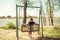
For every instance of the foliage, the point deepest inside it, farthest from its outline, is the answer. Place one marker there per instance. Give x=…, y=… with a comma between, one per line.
x=9, y=25
x=53, y=32
x=56, y=27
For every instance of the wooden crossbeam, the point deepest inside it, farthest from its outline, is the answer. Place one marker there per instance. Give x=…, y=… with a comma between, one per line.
x=28, y=6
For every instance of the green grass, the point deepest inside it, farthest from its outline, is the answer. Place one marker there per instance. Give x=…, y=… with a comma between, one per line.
x=9, y=25
x=51, y=32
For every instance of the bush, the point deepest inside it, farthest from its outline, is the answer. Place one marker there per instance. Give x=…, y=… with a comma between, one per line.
x=9, y=25
x=56, y=27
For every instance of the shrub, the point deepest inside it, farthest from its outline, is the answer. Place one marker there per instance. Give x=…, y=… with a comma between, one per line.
x=9, y=25
x=56, y=27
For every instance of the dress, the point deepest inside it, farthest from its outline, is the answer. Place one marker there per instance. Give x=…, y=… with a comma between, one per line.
x=31, y=23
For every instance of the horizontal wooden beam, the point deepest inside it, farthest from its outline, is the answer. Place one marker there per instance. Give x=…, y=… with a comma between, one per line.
x=29, y=6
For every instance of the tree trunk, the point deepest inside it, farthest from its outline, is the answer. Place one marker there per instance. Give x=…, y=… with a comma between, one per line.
x=50, y=13
x=25, y=7
x=44, y=18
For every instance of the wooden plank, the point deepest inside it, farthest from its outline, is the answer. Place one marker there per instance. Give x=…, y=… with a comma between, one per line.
x=26, y=28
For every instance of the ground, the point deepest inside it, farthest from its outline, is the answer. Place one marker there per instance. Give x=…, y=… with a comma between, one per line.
x=49, y=31
x=11, y=35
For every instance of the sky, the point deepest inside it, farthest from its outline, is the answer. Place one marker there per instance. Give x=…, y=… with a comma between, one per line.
x=8, y=7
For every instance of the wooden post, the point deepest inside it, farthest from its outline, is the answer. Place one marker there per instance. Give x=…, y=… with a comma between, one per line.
x=17, y=22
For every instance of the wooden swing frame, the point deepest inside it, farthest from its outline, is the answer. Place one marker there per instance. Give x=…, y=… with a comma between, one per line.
x=17, y=18
x=40, y=16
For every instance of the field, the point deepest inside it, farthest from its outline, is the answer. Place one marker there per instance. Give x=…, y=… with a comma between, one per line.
x=49, y=33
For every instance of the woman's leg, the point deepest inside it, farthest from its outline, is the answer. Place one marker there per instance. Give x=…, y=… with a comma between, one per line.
x=30, y=34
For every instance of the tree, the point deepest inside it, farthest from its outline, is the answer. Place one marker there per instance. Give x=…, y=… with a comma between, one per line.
x=50, y=12
x=27, y=2
x=44, y=18
x=25, y=7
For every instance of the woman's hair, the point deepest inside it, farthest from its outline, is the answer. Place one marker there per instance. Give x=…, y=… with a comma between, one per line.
x=31, y=19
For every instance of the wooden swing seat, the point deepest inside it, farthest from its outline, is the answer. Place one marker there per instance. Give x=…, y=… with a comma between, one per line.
x=26, y=28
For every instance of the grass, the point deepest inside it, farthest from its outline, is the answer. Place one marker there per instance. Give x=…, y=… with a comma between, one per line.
x=51, y=33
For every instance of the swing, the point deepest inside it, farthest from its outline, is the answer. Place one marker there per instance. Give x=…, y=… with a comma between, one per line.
x=26, y=28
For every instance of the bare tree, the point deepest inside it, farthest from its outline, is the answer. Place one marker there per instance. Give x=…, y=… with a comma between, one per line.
x=50, y=12
x=25, y=7
x=25, y=2
x=44, y=18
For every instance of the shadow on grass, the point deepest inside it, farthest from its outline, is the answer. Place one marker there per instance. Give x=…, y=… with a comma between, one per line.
x=45, y=38
x=50, y=38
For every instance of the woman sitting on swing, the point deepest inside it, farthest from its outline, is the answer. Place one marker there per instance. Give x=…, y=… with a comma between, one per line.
x=31, y=23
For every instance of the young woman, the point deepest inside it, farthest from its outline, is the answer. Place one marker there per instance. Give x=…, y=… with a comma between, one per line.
x=31, y=23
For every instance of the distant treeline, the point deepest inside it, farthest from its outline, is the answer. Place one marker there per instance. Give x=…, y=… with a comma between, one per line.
x=22, y=17
x=13, y=17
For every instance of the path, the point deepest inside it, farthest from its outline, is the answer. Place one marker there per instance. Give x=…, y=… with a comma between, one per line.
x=11, y=35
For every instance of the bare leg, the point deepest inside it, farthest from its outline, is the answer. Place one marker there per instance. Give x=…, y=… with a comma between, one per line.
x=30, y=34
